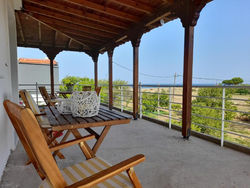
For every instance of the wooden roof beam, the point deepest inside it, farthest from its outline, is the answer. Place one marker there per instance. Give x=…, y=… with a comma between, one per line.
x=105, y=10
x=79, y=34
x=39, y=32
x=54, y=4
x=85, y=40
x=142, y=7
x=54, y=22
x=32, y=8
x=57, y=47
x=55, y=38
x=83, y=37
x=19, y=26
x=69, y=43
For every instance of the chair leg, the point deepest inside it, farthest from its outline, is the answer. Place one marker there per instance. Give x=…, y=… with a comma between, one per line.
x=134, y=179
x=36, y=167
x=28, y=162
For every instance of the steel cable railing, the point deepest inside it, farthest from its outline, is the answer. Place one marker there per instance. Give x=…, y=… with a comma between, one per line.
x=230, y=117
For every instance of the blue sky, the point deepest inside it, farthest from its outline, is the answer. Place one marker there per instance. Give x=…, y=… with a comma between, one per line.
x=221, y=50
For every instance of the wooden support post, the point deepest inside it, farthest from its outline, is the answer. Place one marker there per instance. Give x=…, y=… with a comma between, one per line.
x=188, y=11
x=96, y=73
x=110, y=55
x=52, y=86
x=51, y=54
x=187, y=81
x=95, y=60
x=135, y=44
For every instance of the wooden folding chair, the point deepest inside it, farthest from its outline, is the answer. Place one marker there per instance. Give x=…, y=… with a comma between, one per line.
x=90, y=173
x=31, y=104
x=98, y=90
x=46, y=97
x=86, y=88
x=41, y=118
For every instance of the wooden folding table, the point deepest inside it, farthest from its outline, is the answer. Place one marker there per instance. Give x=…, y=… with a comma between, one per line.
x=66, y=122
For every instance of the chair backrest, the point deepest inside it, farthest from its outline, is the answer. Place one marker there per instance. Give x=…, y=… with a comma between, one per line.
x=31, y=104
x=22, y=93
x=45, y=95
x=13, y=111
x=35, y=140
x=86, y=88
x=98, y=90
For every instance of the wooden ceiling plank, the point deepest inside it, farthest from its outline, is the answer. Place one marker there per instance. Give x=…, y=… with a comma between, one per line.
x=142, y=7
x=71, y=19
x=53, y=21
x=141, y=26
x=105, y=10
x=86, y=47
x=77, y=12
x=19, y=26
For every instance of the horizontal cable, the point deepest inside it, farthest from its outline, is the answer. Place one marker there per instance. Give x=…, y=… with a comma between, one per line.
x=198, y=115
x=241, y=135
x=206, y=126
x=162, y=115
x=235, y=122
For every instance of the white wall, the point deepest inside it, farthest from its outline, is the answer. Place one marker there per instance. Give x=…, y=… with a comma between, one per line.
x=38, y=73
x=8, y=77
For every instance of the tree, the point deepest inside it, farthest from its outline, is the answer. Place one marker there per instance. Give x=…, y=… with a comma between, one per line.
x=233, y=81
x=237, y=80
x=150, y=101
x=211, y=97
x=69, y=82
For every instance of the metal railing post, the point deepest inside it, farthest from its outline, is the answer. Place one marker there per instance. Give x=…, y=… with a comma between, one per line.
x=36, y=93
x=223, y=116
x=121, y=98
x=169, y=108
x=158, y=101
x=140, y=99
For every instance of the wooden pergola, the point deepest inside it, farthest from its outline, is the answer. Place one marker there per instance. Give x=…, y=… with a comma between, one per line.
x=98, y=26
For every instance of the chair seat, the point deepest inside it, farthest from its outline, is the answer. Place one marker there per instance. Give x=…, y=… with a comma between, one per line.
x=87, y=168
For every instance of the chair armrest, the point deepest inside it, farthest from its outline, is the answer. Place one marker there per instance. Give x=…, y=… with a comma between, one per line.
x=71, y=142
x=109, y=172
x=42, y=110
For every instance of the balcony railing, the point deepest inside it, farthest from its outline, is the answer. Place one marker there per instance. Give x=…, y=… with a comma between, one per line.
x=222, y=112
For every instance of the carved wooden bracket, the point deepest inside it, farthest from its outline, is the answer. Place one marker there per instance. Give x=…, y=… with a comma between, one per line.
x=51, y=52
x=136, y=39
x=189, y=11
x=94, y=55
x=110, y=52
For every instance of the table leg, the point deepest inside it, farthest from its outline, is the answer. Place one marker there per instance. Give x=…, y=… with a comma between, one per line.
x=83, y=145
x=64, y=95
x=101, y=138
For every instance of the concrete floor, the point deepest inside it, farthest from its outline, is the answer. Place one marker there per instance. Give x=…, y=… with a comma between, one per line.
x=170, y=161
